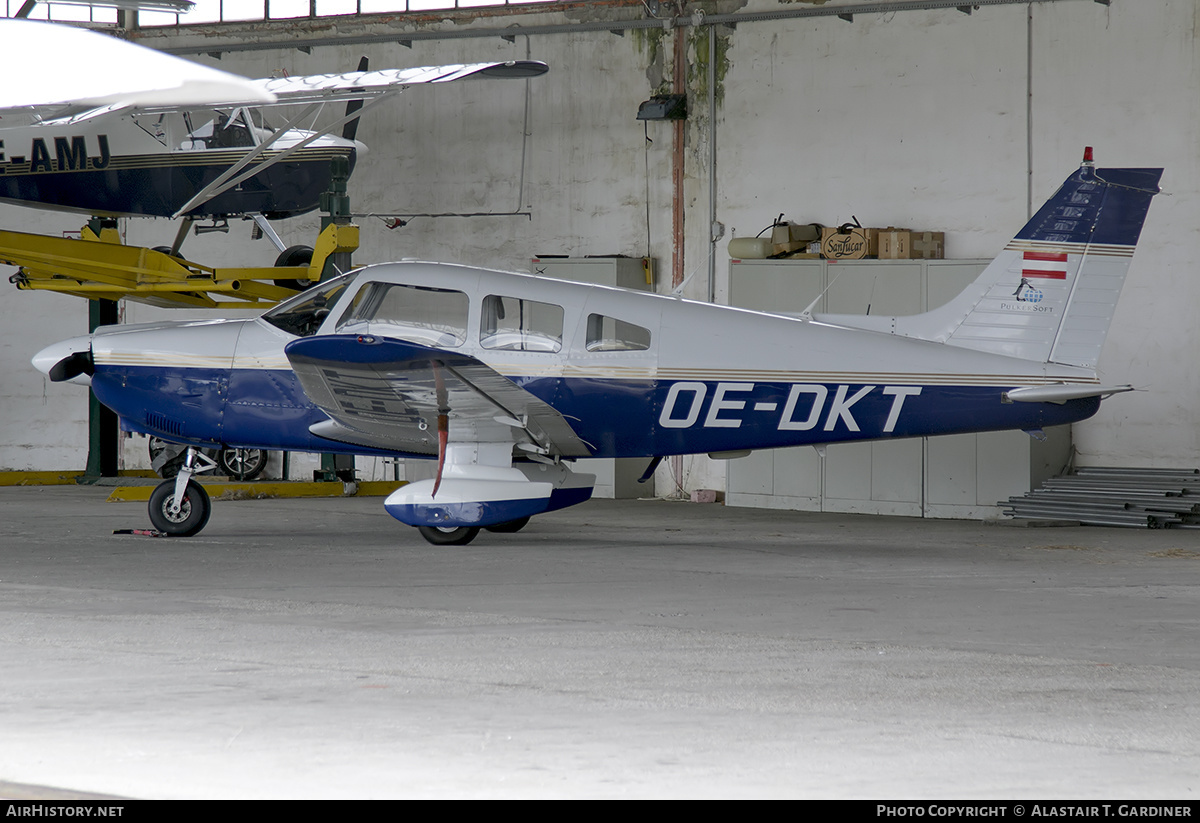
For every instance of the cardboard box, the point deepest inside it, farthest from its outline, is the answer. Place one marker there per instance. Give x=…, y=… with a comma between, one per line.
x=790, y=232
x=928, y=245
x=856, y=244
x=789, y=248
x=895, y=244
x=905, y=244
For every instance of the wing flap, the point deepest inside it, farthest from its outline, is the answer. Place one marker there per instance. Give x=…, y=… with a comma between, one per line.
x=387, y=393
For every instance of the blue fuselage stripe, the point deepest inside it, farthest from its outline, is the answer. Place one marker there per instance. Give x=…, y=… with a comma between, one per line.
x=268, y=409
x=158, y=189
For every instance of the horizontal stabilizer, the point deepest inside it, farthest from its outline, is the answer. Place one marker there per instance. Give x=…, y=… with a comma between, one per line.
x=1061, y=393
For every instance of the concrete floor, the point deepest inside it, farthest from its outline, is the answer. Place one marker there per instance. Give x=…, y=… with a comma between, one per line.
x=642, y=649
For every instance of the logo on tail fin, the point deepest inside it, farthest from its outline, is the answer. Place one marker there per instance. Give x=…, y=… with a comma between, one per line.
x=1026, y=293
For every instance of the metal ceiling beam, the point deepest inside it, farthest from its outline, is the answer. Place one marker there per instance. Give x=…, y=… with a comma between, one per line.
x=843, y=10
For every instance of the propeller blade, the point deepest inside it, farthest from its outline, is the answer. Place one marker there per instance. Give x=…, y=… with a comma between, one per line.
x=443, y=425
x=73, y=365
x=443, y=421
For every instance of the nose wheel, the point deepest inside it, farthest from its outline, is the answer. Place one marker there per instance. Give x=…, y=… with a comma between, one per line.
x=181, y=507
x=187, y=517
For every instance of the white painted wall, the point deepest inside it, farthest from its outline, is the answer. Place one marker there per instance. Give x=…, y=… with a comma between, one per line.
x=919, y=119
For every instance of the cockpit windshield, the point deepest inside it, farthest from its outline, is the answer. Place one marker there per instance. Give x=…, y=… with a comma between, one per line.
x=303, y=314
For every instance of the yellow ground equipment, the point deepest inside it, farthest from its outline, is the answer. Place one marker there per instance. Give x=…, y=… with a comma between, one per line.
x=99, y=267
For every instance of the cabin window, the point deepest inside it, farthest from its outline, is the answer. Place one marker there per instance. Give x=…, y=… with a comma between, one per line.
x=229, y=134
x=419, y=314
x=303, y=314
x=610, y=334
x=513, y=324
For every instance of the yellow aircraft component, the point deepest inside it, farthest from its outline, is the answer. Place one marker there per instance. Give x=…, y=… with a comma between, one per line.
x=99, y=266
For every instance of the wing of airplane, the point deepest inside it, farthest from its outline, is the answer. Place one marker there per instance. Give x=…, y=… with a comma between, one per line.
x=360, y=85
x=385, y=393
x=71, y=69
x=397, y=395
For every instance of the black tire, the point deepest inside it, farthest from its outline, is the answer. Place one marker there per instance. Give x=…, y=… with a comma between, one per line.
x=242, y=464
x=294, y=256
x=440, y=536
x=192, y=517
x=509, y=526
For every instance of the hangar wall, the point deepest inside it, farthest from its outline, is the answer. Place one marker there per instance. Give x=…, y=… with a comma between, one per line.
x=934, y=119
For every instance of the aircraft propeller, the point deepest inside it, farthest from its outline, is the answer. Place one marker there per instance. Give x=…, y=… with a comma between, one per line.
x=443, y=423
x=73, y=365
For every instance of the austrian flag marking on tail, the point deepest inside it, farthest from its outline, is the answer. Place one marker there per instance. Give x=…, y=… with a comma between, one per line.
x=1047, y=265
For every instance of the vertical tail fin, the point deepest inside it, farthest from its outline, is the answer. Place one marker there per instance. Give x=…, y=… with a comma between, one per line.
x=1049, y=295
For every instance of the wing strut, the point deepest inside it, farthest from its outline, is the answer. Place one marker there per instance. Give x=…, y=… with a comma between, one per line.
x=221, y=184
x=224, y=183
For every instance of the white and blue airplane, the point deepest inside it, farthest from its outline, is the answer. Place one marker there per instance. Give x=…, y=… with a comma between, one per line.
x=505, y=378
x=154, y=135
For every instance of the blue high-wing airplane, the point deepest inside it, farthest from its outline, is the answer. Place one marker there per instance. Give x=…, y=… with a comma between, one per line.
x=504, y=378
x=158, y=136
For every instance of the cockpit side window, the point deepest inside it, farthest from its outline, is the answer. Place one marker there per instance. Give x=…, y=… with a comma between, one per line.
x=303, y=314
x=420, y=314
x=610, y=334
x=514, y=324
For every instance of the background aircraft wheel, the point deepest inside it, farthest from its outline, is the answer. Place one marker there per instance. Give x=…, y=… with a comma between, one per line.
x=440, y=536
x=192, y=516
x=509, y=526
x=242, y=464
x=294, y=256
x=167, y=465
x=155, y=446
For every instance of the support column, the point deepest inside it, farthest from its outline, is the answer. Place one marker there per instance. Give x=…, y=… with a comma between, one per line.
x=103, y=429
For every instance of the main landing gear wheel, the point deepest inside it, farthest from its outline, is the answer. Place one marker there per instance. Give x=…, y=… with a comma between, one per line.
x=295, y=256
x=193, y=513
x=242, y=464
x=509, y=526
x=448, y=536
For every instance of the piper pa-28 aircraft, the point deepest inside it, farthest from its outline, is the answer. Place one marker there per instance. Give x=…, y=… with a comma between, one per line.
x=504, y=378
x=162, y=152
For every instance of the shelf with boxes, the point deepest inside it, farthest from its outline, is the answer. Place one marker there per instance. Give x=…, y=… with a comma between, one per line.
x=846, y=242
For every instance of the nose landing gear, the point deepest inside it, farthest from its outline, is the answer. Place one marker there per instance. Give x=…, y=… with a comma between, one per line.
x=180, y=507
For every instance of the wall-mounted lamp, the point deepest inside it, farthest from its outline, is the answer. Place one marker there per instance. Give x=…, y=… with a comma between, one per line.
x=664, y=107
